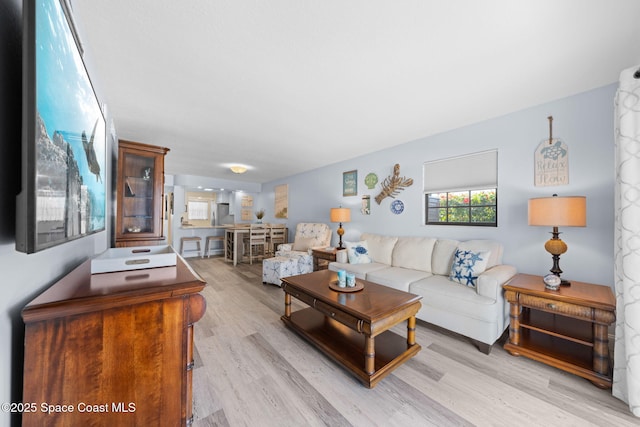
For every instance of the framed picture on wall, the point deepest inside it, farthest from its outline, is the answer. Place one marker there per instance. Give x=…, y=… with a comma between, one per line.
x=350, y=183
x=64, y=160
x=281, y=201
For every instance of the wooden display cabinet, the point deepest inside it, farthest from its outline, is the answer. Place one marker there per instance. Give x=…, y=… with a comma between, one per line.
x=112, y=349
x=139, y=194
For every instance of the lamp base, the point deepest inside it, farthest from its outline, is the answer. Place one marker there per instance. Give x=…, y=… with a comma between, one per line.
x=556, y=247
x=340, y=233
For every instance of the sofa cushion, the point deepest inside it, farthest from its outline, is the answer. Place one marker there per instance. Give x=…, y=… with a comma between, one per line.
x=360, y=270
x=396, y=277
x=358, y=252
x=467, y=266
x=453, y=297
x=496, y=249
x=413, y=253
x=380, y=247
x=443, y=253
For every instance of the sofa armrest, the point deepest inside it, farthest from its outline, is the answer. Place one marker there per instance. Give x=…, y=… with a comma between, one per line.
x=285, y=247
x=490, y=282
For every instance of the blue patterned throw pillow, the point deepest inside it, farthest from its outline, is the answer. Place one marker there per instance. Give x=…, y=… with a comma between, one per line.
x=467, y=266
x=358, y=253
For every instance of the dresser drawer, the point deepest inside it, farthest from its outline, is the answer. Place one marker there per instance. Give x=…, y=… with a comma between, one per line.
x=552, y=306
x=340, y=316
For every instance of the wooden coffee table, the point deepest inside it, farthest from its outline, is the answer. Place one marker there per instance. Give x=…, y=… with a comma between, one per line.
x=352, y=328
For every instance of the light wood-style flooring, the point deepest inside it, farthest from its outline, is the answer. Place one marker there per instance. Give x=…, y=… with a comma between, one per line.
x=252, y=371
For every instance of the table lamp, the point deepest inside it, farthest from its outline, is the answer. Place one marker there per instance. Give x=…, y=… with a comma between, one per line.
x=340, y=215
x=570, y=211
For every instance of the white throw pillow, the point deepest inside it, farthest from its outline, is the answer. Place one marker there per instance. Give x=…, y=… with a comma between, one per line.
x=358, y=252
x=467, y=266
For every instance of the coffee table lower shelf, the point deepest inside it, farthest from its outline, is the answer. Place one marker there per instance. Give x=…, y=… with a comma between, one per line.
x=347, y=347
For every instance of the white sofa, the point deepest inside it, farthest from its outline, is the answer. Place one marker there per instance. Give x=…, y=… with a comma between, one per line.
x=422, y=265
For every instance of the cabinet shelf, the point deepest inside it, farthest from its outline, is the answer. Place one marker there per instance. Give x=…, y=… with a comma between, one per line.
x=139, y=178
x=139, y=197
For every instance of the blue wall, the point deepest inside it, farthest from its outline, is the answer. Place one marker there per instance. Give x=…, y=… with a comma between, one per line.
x=584, y=122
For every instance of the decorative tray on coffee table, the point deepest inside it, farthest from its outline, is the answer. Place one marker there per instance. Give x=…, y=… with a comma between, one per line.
x=358, y=287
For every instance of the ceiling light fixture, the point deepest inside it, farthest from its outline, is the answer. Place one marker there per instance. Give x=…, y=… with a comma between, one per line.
x=238, y=169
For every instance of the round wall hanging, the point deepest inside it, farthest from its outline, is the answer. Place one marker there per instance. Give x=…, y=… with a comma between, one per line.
x=371, y=180
x=397, y=207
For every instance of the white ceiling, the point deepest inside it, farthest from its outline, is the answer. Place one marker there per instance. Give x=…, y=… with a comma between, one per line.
x=286, y=86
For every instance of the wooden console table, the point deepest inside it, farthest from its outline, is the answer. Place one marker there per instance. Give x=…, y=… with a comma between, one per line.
x=567, y=328
x=112, y=349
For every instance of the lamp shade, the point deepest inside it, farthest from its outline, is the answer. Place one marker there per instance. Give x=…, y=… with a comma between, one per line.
x=340, y=214
x=570, y=211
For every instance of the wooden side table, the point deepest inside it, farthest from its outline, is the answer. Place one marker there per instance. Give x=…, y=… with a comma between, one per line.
x=328, y=255
x=567, y=328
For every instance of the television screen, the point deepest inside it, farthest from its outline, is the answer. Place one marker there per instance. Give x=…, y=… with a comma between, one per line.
x=63, y=194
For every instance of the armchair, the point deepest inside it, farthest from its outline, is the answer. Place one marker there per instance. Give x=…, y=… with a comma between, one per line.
x=308, y=235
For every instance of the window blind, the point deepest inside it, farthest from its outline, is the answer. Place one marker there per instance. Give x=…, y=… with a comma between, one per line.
x=475, y=171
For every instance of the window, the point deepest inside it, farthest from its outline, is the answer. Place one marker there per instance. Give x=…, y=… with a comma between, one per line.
x=199, y=207
x=477, y=207
x=462, y=190
x=197, y=210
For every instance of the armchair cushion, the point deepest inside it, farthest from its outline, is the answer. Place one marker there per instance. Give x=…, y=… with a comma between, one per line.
x=303, y=243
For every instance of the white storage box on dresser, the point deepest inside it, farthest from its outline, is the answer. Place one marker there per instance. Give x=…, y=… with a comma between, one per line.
x=133, y=258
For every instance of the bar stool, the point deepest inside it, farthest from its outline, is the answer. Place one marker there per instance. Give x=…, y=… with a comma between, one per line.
x=207, y=244
x=194, y=239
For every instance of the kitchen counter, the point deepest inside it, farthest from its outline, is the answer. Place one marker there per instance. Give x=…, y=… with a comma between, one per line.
x=193, y=227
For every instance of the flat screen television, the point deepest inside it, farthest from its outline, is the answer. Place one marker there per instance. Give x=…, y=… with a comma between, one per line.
x=63, y=194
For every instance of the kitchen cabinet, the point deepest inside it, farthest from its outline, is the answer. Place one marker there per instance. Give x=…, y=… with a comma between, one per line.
x=140, y=190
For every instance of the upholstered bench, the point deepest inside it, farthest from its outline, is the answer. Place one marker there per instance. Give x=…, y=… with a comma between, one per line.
x=274, y=269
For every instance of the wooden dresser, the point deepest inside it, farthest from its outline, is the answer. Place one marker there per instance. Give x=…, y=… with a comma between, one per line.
x=112, y=349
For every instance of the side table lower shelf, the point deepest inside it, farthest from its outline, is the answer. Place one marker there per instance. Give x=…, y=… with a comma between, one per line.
x=560, y=351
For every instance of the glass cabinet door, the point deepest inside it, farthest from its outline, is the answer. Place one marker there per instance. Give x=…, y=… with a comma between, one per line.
x=140, y=189
x=138, y=201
